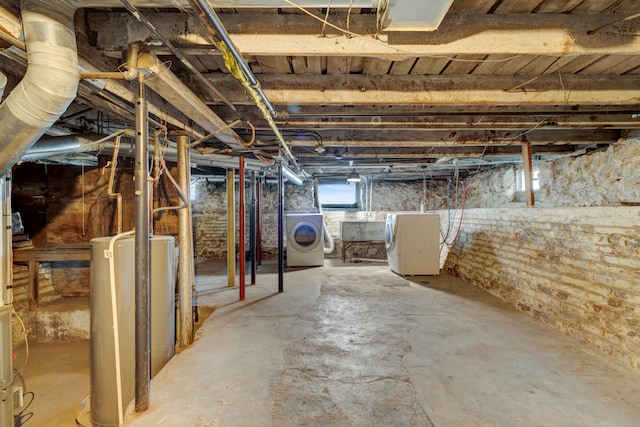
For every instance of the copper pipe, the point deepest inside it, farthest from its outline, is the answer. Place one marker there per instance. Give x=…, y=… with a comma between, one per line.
x=129, y=75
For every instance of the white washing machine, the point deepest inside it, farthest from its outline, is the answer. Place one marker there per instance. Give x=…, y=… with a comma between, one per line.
x=413, y=243
x=305, y=243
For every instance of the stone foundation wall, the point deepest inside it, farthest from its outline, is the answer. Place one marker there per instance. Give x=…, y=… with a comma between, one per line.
x=572, y=262
x=575, y=269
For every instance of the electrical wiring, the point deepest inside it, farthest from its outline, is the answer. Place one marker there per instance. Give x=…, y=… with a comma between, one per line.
x=464, y=198
x=512, y=138
x=21, y=418
x=253, y=135
x=325, y=22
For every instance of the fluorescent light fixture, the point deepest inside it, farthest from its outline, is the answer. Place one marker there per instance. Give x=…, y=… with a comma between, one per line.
x=291, y=175
x=416, y=15
x=353, y=176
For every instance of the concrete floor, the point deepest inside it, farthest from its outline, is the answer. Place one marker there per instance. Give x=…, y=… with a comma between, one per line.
x=356, y=345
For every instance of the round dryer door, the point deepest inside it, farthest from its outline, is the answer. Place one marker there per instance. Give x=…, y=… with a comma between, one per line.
x=304, y=236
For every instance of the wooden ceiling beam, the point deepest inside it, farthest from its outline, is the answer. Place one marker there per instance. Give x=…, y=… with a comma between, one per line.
x=465, y=90
x=438, y=138
x=271, y=34
x=464, y=121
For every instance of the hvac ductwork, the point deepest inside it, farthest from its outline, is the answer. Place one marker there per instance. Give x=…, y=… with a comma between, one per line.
x=49, y=85
x=49, y=146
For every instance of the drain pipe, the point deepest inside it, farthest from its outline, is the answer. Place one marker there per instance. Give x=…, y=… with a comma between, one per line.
x=233, y=59
x=49, y=85
x=142, y=311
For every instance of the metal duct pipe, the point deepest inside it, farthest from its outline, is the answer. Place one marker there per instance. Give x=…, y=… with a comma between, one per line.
x=49, y=85
x=50, y=146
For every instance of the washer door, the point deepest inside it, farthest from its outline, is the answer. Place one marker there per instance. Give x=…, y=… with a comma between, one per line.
x=304, y=236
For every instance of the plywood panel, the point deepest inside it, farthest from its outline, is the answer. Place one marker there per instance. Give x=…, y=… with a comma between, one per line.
x=429, y=65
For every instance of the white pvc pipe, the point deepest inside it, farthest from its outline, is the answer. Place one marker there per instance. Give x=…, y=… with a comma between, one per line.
x=114, y=315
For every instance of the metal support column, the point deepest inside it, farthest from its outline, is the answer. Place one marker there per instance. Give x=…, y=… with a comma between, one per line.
x=241, y=267
x=142, y=329
x=528, y=173
x=252, y=228
x=231, y=229
x=280, y=230
x=185, y=236
x=259, y=222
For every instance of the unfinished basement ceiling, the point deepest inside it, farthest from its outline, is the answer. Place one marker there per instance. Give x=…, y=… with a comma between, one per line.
x=560, y=75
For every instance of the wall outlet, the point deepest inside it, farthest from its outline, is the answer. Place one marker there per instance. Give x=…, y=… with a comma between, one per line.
x=18, y=399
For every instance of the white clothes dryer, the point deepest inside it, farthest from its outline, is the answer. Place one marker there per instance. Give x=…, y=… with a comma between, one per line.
x=413, y=243
x=305, y=243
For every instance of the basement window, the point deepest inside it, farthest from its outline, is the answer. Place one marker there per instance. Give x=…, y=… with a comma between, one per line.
x=535, y=181
x=338, y=194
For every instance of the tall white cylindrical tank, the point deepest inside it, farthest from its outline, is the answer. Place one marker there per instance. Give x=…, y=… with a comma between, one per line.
x=104, y=404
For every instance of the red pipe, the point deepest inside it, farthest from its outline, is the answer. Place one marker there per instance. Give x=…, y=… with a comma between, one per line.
x=241, y=225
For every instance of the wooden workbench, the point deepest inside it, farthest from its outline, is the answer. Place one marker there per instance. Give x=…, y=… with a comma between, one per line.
x=34, y=256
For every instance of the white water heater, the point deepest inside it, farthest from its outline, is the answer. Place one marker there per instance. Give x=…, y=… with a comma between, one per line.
x=103, y=402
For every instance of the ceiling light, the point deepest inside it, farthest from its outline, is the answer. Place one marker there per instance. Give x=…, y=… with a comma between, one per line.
x=353, y=176
x=416, y=15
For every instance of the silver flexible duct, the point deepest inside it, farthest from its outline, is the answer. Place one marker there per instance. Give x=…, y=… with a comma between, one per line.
x=49, y=85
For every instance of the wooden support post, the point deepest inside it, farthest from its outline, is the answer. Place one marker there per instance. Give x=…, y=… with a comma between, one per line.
x=33, y=268
x=528, y=173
